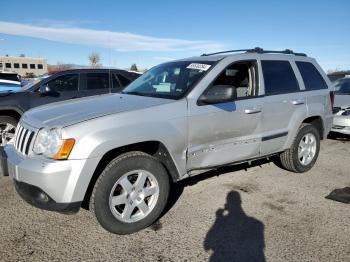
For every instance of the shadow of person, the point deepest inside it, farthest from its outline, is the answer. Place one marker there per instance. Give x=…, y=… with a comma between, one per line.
x=234, y=235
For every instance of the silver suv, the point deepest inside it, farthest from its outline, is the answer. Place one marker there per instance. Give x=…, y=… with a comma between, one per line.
x=121, y=153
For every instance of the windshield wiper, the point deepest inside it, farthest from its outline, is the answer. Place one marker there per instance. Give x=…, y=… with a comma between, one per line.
x=134, y=93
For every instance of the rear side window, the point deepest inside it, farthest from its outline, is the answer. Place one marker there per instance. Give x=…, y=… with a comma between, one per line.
x=279, y=77
x=123, y=80
x=97, y=81
x=311, y=77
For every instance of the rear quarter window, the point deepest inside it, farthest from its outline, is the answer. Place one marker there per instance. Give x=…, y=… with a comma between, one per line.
x=279, y=77
x=311, y=77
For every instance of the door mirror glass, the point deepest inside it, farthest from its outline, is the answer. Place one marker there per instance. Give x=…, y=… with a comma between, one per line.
x=218, y=94
x=44, y=89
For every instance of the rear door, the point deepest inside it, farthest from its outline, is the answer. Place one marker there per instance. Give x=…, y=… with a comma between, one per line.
x=94, y=84
x=284, y=104
x=63, y=87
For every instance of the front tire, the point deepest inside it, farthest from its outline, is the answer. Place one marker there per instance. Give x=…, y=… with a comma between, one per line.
x=304, y=151
x=130, y=193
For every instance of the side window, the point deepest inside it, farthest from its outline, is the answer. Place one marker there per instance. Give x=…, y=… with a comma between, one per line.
x=115, y=82
x=97, y=81
x=64, y=83
x=311, y=77
x=123, y=80
x=241, y=75
x=279, y=77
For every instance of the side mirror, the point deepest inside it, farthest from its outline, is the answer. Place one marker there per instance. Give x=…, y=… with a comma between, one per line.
x=45, y=90
x=218, y=94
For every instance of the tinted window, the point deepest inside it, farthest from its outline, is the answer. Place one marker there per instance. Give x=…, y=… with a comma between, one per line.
x=97, y=81
x=342, y=86
x=32, y=66
x=24, y=65
x=115, y=82
x=64, y=83
x=311, y=77
x=40, y=66
x=10, y=77
x=8, y=65
x=16, y=65
x=279, y=77
x=123, y=80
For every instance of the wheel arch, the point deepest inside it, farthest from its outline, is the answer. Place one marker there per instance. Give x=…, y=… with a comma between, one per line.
x=16, y=114
x=317, y=122
x=154, y=148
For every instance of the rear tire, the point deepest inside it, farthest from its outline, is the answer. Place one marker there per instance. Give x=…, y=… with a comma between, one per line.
x=130, y=194
x=304, y=151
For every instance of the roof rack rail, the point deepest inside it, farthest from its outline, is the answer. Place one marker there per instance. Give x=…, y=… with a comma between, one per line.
x=258, y=50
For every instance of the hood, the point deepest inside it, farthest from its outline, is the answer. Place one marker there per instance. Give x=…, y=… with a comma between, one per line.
x=342, y=101
x=74, y=111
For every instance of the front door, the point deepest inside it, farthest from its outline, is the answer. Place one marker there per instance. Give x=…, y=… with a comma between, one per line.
x=227, y=132
x=62, y=87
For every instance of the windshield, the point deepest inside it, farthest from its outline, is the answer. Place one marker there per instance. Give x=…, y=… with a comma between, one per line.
x=31, y=84
x=171, y=80
x=342, y=86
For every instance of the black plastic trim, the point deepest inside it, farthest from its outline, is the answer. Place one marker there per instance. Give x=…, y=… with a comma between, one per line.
x=3, y=163
x=265, y=138
x=38, y=198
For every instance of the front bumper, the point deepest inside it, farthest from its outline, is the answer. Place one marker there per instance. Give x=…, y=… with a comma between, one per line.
x=341, y=124
x=48, y=184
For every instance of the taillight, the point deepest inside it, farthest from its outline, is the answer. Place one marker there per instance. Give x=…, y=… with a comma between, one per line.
x=331, y=96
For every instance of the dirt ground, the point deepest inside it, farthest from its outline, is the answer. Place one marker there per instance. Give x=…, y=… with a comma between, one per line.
x=241, y=213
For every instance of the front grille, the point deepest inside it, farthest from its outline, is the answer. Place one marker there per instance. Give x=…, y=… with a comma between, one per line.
x=23, y=139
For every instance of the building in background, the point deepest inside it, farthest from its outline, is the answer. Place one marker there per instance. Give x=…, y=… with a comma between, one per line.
x=338, y=74
x=24, y=66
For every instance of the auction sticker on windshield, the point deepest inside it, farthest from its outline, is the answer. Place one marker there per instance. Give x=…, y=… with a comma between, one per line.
x=202, y=67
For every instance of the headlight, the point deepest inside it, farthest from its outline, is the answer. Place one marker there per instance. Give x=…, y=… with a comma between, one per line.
x=49, y=143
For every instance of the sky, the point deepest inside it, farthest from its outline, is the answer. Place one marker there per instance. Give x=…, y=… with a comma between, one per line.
x=151, y=32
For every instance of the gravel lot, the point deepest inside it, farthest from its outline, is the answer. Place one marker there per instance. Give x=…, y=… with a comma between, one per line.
x=234, y=214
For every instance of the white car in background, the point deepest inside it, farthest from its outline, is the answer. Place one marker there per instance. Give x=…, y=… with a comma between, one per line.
x=341, y=121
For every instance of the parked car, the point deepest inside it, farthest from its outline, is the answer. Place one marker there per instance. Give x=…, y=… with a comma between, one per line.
x=61, y=86
x=341, y=122
x=9, y=82
x=120, y=153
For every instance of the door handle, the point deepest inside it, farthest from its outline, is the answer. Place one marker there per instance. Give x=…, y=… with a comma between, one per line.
x=297, y=102
x=252, y=110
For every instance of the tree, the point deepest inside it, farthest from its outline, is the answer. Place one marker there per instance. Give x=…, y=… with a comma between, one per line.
x=22, y=55
x=94, y=59
x=133, y=68
x=29, y=75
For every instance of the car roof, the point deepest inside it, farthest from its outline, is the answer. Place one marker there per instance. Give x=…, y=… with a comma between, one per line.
x=94, y=70
x=250, y=53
